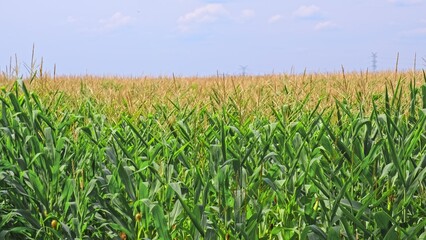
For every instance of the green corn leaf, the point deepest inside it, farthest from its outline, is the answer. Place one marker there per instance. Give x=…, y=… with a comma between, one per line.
x=194, y=220
x=382, y=219
x=160, y=222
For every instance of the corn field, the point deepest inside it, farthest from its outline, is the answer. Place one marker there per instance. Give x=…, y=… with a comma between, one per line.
x=229, y=166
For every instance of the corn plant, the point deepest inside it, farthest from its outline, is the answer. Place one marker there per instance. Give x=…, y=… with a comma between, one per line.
x=211, y=171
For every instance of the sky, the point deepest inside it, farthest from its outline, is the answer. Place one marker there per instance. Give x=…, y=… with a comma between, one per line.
x=206, y=37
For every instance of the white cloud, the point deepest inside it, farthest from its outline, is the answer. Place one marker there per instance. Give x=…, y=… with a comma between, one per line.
x=117, y=20
x=205, y=14
x=414, y=32
x=325, y=25
x=275, y=18
x=420, y=31
x=243, y=16
x=208, y=13
x=405, y=2
x=72, y=19
x=311, y=11
x=247, y=13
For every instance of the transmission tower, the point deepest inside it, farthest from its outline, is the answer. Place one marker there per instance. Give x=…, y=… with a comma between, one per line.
x=374, y=61
x=243, y=69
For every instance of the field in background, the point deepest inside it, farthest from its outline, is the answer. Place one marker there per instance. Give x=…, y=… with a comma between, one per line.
x=318, y=156
x=251, y=95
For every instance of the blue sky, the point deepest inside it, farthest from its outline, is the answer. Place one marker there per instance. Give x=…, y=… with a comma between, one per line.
x=201, y=37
